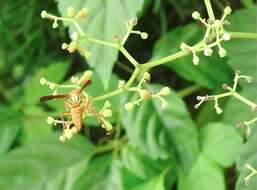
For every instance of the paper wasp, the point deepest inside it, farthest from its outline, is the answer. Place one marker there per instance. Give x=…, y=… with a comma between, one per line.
x=76, y=104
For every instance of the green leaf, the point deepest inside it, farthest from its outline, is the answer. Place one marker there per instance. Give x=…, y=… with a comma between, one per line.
x=203, y=175
x=10, y=126
x=141, y=164
x=248, y=155
x=39, y=162
x=103, y=23
x=242, y=52
x=156, y=183
x=242, y=57
x=104, y=170
x=220, y=143
x=162, y=133
x=211, y=72
x=55, y=72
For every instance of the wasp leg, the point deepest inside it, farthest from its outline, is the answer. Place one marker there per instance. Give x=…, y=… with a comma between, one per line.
x=63, y=121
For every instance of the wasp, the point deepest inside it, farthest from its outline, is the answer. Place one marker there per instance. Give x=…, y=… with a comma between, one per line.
x=76, y=104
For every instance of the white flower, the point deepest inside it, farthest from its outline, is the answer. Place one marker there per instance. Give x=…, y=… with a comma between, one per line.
x=144, y=35
x=55, y=24
x=43, y=81
x=107, y=113
x=50, y=120
x=227, y=10
x=222, y=52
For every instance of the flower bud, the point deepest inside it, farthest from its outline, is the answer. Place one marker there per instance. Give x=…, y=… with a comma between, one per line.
x=218, y=110
x=64, y=46
x=165, y=91
x=226, y=36
x=44, y=14
x=196, y=60
x=132, y=22
x=196, y=15
x=107, y=113
x=73, y=46
x=71, y=12
x=74, y=130
x=146, y=76
x=43, y=81
x=129, y=106
x=55, y=24
x=74, y=79
x=227, y=10
x=144, y=35
x=50, y=120
x=183, y=46
x=207, y=51
x=222, y=52
x=52, y=85
x=62, y=138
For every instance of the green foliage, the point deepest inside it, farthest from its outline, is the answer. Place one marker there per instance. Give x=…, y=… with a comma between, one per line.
x=247, y=155
x=100, y=24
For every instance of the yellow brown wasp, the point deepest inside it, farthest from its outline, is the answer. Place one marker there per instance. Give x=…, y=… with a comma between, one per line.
x=76, y=104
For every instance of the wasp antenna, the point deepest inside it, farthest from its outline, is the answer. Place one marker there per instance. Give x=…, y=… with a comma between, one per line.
x=85, y=84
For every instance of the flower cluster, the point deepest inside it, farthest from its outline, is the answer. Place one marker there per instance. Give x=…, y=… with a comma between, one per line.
x=72, y=16
x=231, y=92
x=145, y=94
x=214, y=30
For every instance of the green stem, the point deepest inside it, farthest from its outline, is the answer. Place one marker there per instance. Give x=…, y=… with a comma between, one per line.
x=128, y=56
x=108, y=95
x=189, y=90
x=245, y=35
x=133, y=77
x=209, y=9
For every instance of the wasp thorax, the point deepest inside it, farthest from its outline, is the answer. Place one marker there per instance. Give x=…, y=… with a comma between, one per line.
x=75, y=96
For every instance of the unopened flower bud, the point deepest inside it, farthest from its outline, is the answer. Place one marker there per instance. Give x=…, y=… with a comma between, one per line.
x=147, y=76
x=74, y=130
x=219, y=110
x=52, y=85
x=129, y=106
x=71, y=12
x=226, y=36
x=50, y=120
x=196, y=60
x=73, y=46
x=43, y=81
x=74, y=79
x=44, y=14
x=207, y=51
x=84, y=12
x=227, y=10
x=183, y=46
x=165, y=91
x=143, y=93
x=144, y=35
x=133, y=22
x=64, y=46
x=62, y=138
x=222, y=52
x=196, y=15
x=55, y=24
x=107, y=113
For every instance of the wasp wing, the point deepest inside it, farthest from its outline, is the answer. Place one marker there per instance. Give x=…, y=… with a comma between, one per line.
x=85, y=84
x=51, y=97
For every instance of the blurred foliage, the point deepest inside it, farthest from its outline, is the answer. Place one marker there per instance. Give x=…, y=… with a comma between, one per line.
x=155, y=149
